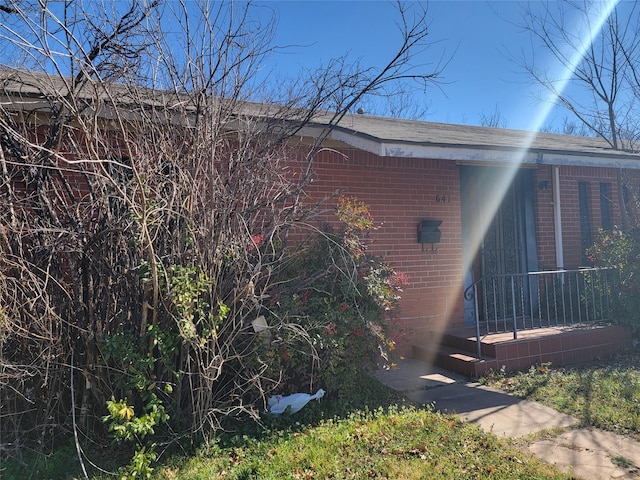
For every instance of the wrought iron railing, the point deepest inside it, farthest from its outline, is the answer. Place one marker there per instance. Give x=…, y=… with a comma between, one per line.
x=527, y=301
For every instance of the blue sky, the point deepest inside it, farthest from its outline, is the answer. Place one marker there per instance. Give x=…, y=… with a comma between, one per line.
x=481, y=37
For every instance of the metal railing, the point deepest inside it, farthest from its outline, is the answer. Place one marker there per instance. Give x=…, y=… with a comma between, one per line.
x=527, y=301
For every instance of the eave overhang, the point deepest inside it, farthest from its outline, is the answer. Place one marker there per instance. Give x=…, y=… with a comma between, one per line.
x=489, y=154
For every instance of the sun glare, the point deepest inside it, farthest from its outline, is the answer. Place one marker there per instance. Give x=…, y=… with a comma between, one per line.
x=597, y=15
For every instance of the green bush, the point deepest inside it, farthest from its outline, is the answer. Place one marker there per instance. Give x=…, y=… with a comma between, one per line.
x=326, y=309
x=328, y=321
x=134, y=420
x=621, y=251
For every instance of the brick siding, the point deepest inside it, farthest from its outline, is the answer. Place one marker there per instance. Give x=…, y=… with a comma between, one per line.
x=402, y=191
x=570, y=178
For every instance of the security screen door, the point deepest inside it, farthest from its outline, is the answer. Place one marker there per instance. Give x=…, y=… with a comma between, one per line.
x=505, y=242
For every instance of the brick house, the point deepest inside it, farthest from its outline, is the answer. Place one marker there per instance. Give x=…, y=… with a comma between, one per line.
x=504, y=202
x=459, y=204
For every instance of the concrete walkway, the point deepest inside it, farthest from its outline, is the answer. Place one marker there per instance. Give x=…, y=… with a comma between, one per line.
x=589, y=454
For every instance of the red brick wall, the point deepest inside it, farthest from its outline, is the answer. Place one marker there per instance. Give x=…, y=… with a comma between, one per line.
x=631, y=179
x=570, y=178
x=545, y=227
x=401, y=192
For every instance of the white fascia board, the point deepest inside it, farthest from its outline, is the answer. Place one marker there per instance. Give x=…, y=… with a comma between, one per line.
x=461, y=154
x=27, y=104
x=454, y=153
x=431, y=152
x=630, y=162
x=508, y=156
x=359, y=142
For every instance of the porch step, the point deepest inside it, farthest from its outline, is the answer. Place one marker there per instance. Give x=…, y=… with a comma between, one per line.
x=455, y=360
x=455, y=349
x=465, y=341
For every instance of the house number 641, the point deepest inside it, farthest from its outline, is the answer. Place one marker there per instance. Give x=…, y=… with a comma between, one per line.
x=443, y=198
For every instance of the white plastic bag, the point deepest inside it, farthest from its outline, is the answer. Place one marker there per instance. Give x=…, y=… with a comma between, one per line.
x=279, y=403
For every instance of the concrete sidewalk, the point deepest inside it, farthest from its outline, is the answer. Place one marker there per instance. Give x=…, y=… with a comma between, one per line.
x=587, y=453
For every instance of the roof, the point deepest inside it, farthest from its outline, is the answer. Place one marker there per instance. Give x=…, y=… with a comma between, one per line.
x=383, y=136
x=391, y=137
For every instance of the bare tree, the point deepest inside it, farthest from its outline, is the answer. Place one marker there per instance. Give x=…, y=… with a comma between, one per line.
x=146, y=201
x=598, y=81
x=493, y=119
x=399, y=103
x=569, y=127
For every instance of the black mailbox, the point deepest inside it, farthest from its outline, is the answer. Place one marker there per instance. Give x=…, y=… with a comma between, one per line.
x=428, y=231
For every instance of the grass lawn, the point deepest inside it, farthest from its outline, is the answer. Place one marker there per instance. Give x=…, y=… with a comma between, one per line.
x=392, y=440
x=399, y=443
x=603, y=394
x=411, y=443
x=371, y=433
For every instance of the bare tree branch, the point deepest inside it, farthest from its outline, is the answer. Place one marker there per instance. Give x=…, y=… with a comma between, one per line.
x=598, y=61
x=147, y=192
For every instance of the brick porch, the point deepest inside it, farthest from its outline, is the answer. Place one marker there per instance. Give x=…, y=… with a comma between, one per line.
x=456, y=348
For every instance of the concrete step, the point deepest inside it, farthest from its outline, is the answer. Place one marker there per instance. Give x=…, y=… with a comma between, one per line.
x=455, y=360
x=468, y=343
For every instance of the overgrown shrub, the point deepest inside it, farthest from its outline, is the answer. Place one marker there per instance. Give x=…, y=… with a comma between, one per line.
x=621, y=251
x=145, y=203
x=328, y=321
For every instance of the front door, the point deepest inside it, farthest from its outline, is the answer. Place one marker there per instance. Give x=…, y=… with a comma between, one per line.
x=498, y=227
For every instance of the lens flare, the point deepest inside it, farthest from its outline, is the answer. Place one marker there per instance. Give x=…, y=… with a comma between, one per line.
x=597, y=15
x=592, y=22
